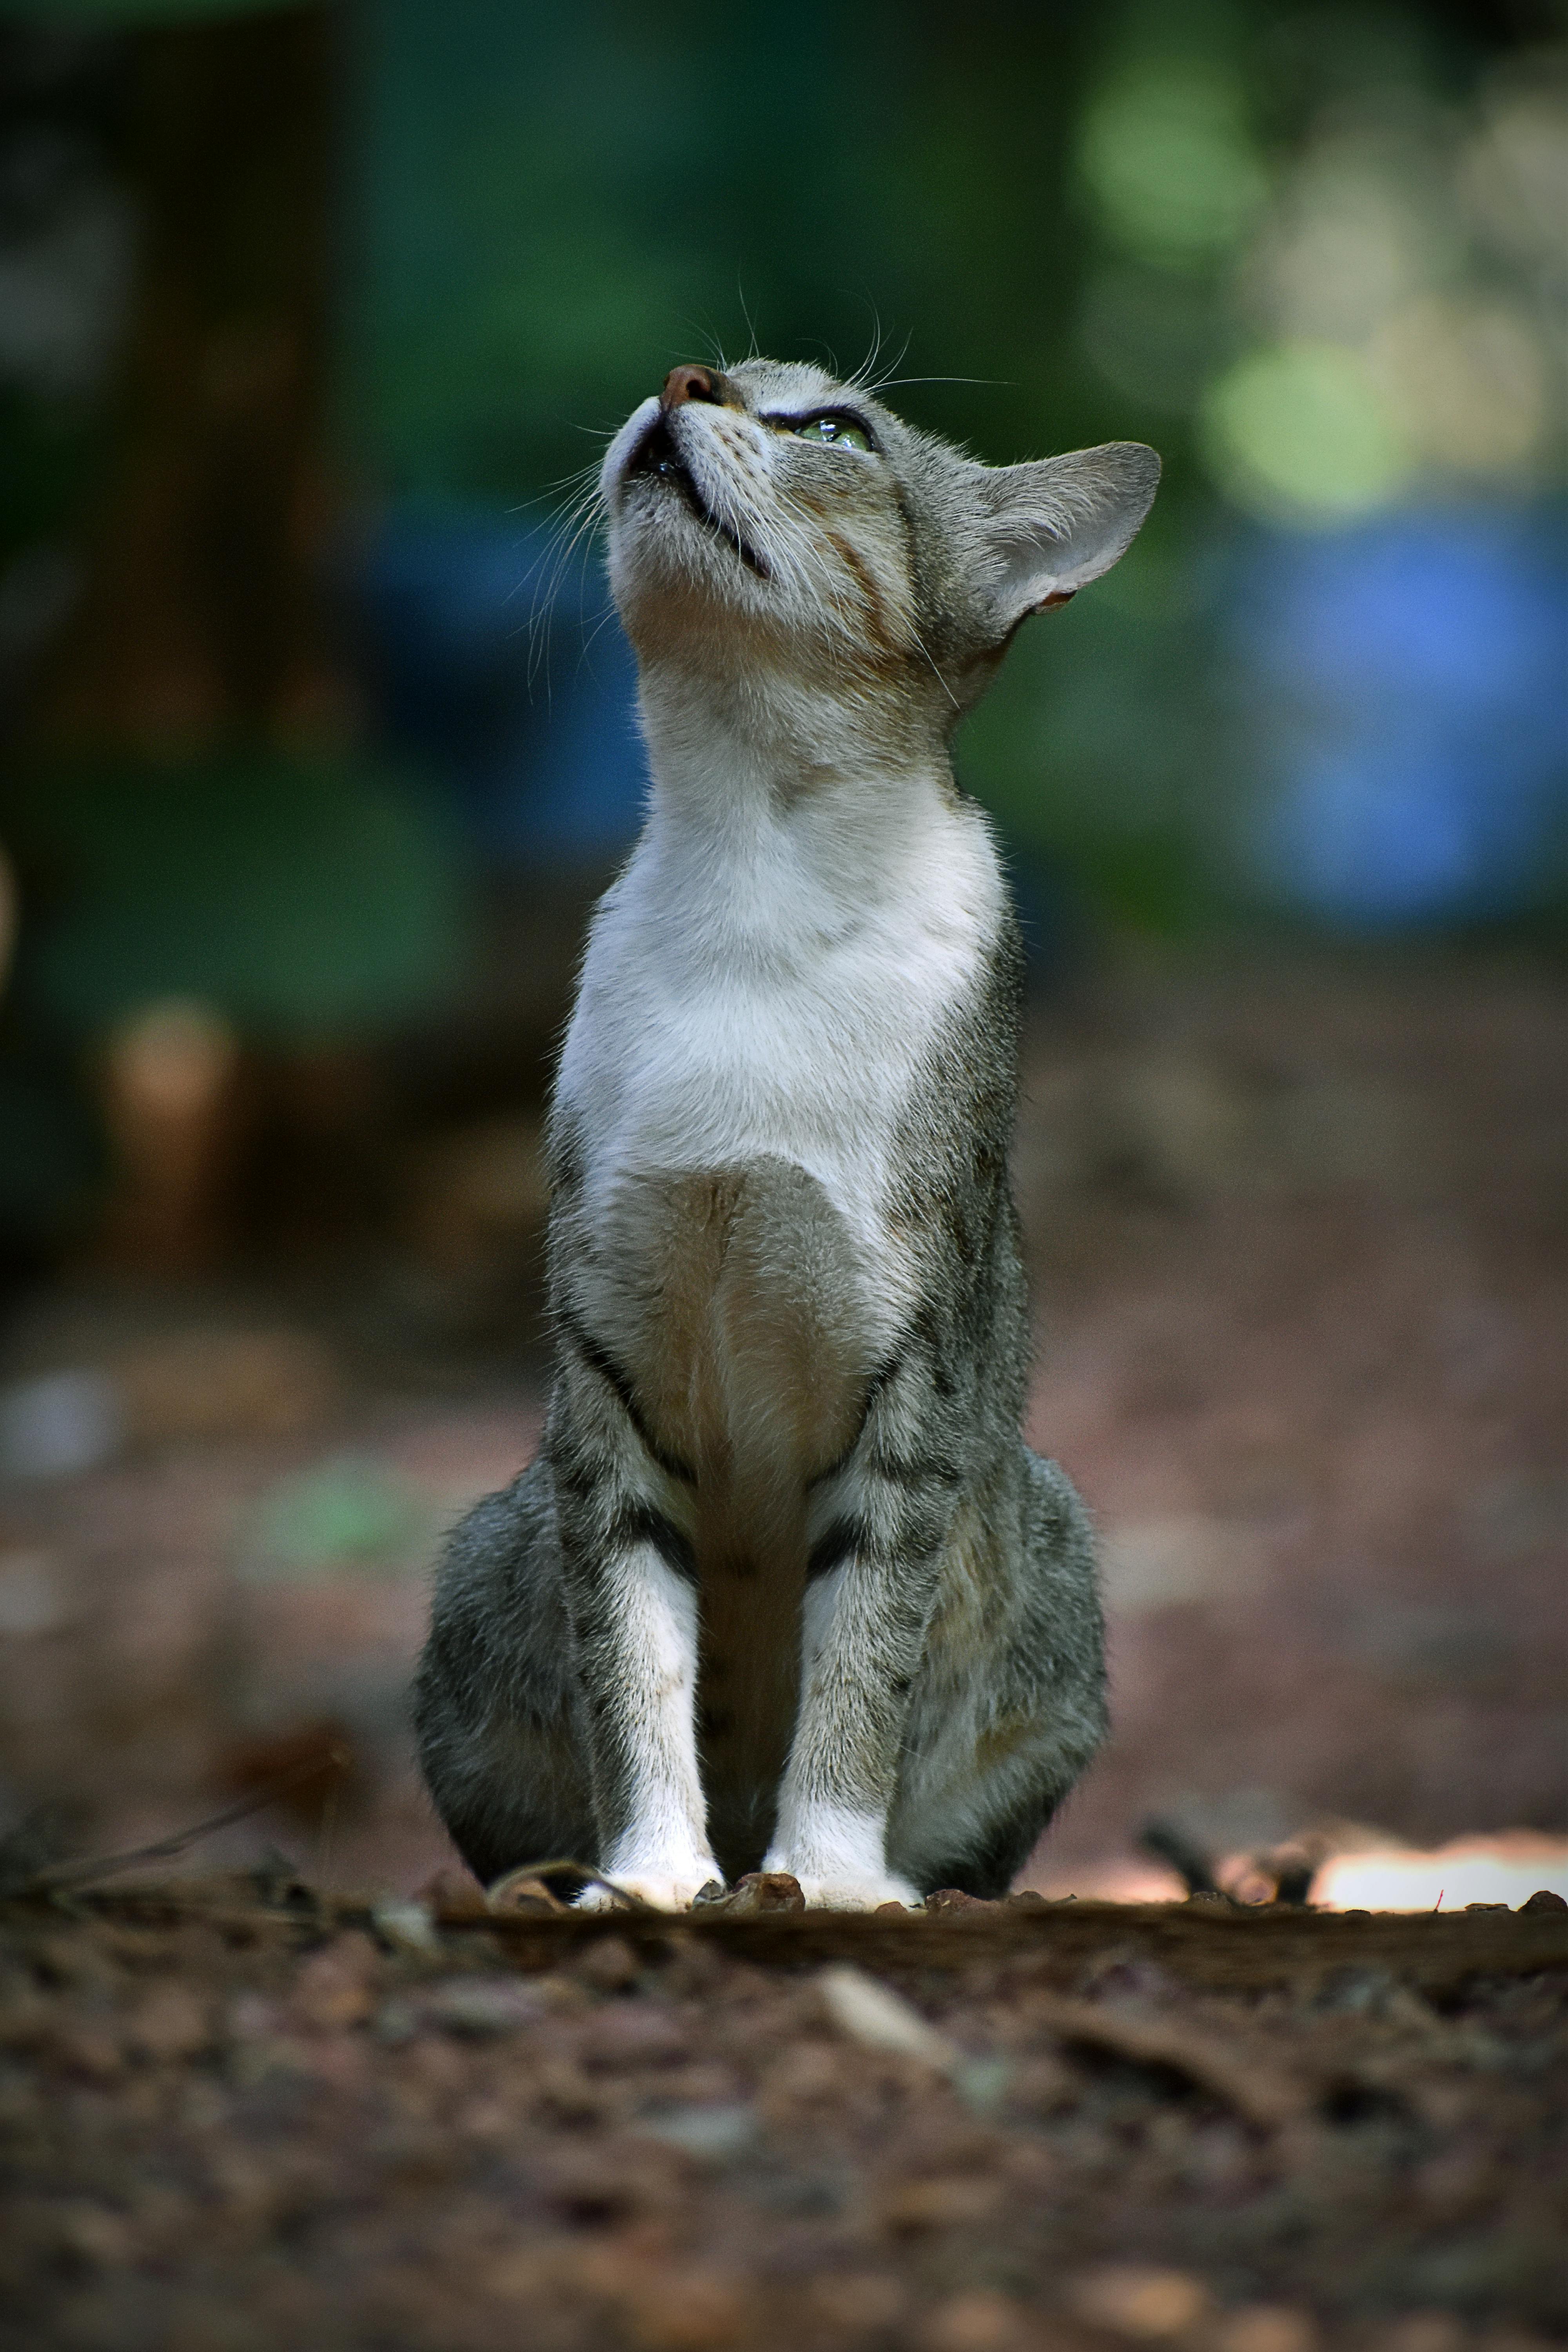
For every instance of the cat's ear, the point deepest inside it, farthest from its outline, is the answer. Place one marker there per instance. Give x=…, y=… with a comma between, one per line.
x=1054, y=526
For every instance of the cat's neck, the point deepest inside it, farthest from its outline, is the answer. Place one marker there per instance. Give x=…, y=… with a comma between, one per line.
x=759, y=751
x=780, y=828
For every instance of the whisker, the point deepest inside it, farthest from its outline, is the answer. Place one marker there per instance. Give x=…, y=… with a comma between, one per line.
x=582, y=474
x=707, y=334
x=752, y=348
x=892, y=382
x=574, y=527
x=925, y=656
x=863, y=379
x=592, y=639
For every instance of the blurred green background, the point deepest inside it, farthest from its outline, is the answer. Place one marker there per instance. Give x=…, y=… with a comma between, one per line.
x=309, y=317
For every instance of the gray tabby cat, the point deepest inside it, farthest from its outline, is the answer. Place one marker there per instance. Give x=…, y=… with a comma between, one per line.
x=783, y=1588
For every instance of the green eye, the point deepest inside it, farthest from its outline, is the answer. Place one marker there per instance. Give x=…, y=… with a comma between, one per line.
x=836, y=429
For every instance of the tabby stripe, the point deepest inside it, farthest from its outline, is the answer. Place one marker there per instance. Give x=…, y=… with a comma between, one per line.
x=935, y=1472
x=599, y=1360
x=639, y=1523
x=842, y=1540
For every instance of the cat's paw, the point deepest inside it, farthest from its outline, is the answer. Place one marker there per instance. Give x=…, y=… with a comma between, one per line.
x=859, y=1894
x=660, y=1893
x=839, y=1872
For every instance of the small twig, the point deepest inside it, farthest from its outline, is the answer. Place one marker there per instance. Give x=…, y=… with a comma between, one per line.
x=522, y=1890
x=1185, y=1857
x=1260, y=2094
x=80, y=1874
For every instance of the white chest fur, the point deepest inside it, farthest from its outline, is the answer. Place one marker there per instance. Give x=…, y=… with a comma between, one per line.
x=767, y=979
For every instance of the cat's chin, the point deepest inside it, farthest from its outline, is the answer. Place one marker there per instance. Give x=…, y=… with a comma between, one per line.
x=658, y=470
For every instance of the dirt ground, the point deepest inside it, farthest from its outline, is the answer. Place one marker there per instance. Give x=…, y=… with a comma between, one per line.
x=239, y=2116
x=1299, y=1238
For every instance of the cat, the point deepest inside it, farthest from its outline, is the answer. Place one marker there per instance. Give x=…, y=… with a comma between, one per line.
x=783, y=1588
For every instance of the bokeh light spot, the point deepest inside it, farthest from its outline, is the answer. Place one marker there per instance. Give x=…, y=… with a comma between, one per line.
x=1168, y=154
x=1467, y=381
x=1302, y=434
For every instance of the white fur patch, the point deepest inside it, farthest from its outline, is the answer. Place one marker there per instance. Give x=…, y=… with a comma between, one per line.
x=767, y=979
x=664, y=1844
x=838, y=1856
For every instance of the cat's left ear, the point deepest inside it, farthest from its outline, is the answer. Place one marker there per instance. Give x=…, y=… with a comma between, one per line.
x=1055, y=525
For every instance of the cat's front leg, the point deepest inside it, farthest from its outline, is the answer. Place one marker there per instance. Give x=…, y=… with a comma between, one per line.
x=630, y=1580
x=884, y=1517
x=863, y=1630
x=636, y=1635
x=631, y=1591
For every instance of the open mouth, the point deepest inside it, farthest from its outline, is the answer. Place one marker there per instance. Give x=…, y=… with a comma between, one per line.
x=657, y=454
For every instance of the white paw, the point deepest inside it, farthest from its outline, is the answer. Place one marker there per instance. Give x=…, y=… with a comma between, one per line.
x=663, y=1893
x=859, y=1893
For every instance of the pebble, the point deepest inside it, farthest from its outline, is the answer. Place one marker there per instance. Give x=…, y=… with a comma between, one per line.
x=335, y=1986
x=626, y=2034
x=34, y=1598
x=172, y=2023
x=979, y=2321
x=60, y=1424
x=86, y=2050
x=689, y=2311
x=856, y=2303
x=879, y=2019
x=952, y=2201
x=711, y=2134
x=1423, y=2331
x=759, y=1891
x=609, y=1965
x=407, y=1926
x=1265, y=2327
x=478, y=2008
x=1150, y=2306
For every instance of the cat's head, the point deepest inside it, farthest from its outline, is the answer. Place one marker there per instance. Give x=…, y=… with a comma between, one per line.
x=769, y=518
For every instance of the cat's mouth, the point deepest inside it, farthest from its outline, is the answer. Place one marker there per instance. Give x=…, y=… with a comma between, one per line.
x=656, y=455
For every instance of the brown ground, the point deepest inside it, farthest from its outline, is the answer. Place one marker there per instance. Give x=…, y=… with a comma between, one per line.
x=1299, y=1234
x=238, y=2118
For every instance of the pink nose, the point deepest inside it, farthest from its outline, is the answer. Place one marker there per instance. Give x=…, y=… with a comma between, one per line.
x=692, y=382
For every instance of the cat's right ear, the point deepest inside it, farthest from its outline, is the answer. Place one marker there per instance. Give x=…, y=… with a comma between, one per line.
x=1054, y=526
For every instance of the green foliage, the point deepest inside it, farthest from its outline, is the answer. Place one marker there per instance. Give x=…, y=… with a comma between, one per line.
x=555, y=208
x=1102, y=747
x=298, y=896
x=347, y=1513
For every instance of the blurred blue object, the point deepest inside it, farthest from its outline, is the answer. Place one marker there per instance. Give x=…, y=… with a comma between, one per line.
x=1409, y=682
x=58, y=1425
x=507, y=674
